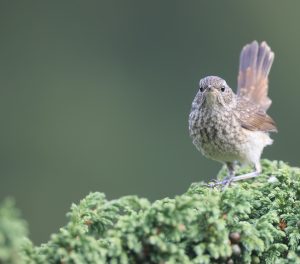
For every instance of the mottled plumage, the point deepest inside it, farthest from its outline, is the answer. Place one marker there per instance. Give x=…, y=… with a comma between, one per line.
x=230, y=127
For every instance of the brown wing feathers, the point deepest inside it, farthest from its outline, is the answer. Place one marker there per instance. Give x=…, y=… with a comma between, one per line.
x=253, y=118
x=255, y=64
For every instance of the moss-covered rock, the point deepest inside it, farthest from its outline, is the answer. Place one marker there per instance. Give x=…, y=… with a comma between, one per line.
x=254, y=221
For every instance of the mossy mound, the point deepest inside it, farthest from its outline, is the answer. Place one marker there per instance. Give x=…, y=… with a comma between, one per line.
x=13, y=230
x=254, y=221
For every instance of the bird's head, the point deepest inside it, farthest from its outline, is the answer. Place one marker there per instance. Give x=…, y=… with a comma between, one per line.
x=214, y=91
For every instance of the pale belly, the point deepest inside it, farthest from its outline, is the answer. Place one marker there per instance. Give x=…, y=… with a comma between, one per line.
x=245, y=146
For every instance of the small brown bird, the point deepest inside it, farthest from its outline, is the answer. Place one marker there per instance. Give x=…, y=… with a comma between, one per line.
x=230, y=127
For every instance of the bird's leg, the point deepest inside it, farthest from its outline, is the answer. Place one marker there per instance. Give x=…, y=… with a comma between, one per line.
x=228, y=179
x=230, y=167
x=231, y=178
x=249, y=175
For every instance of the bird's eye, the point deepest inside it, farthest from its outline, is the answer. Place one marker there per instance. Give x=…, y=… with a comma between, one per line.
x=222, y=88
x=201, y=89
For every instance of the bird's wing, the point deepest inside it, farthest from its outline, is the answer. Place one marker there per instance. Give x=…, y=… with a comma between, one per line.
x=255, y=64
x=253, y=118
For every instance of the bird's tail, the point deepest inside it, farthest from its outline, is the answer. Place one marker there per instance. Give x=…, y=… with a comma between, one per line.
x=255, y=64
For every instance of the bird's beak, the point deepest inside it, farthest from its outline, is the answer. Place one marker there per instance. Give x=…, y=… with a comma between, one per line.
x=212, y=90
x=211, y=94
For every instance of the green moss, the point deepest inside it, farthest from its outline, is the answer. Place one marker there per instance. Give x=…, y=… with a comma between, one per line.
x=12, y=232
x=254, y=221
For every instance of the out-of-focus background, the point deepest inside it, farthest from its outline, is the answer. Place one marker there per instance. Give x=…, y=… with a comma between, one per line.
x=95, y=95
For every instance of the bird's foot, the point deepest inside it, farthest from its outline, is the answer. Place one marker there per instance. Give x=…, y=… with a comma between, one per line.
x=230, y=179
x=223, y=183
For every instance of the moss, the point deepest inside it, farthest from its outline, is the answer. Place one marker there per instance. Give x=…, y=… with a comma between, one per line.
x=255, y=221
x=12, y=232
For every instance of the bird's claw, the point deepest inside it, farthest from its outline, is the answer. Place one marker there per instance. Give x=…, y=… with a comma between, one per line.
x=223, y=183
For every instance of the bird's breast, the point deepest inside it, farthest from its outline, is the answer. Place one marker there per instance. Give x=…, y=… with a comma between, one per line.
x=216, y=134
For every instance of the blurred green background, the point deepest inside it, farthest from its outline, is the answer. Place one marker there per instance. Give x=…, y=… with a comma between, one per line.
x=95, y=95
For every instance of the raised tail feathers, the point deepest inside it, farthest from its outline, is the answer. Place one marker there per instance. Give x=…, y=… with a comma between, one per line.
x=255, y=64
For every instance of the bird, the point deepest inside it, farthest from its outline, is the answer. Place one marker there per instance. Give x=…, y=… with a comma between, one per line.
x=234, y=127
